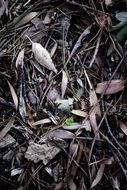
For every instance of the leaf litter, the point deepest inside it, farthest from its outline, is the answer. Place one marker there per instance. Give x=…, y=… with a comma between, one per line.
x=63, y=105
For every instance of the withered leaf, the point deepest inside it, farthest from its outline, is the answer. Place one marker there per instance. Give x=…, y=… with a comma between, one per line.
x=42, y=56
x=20, y=57
x=123, y=127
x=79, y=113
x=14, y=95
x=110, y=87
x=98, y=176
x=5, y=130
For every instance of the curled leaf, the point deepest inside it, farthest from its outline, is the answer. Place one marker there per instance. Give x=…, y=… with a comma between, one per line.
x=42, y=56
x=112, y=87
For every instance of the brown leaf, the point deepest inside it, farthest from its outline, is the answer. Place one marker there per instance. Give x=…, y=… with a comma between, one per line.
x=98, y=176
x=110, y=87
x=14, y=95
x=94, y=102
x=64, y=83
x=7, y=128
x=53, y=50
x=42, y=56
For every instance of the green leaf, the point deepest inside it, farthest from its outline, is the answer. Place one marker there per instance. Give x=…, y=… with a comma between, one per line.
x=69, y=120
x=121, y=35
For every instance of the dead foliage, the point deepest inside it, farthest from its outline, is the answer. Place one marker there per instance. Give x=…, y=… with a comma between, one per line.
x=63, y=95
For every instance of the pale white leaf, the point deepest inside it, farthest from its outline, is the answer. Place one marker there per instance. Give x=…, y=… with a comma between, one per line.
x=42, y=56
x=14, y=95
x=79, y=113
x=64, y=83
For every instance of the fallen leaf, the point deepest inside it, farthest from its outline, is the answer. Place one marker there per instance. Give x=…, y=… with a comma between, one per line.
x=98, y=176
x=110, y=87
x=64, y=83
x=72, y=127
x=42, y=152
x=14, y=95
x=3, y=7
x=80, y=113
x=94, y=102
x=123, y=127
x=58, y=133
x=27, y=19
x=7, y=128
x=20, y=57
x=42, y=56
x=7, y=141
x=42, y=121
x=53, y=50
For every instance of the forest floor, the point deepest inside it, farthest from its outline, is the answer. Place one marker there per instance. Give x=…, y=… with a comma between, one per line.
x=63, y=95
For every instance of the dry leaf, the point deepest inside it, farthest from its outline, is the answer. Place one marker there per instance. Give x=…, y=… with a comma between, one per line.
x=98, y=176
x=7, y=128
x=123, y=127
x=42, y=56
x=53, y=50
x=110, y=87
x=80, y=113
x=42, y=152
x=19, y=60
x=27, y=19
x=14, y=95
x=64, y=83
x=3, y=7
x=42, y=121
x=94, y=102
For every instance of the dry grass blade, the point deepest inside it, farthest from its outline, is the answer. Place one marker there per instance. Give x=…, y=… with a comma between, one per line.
x=98, y=176
x=64, y=84
x=42, y=56
x=112, y=87
x=7, y=128
x=14, y=95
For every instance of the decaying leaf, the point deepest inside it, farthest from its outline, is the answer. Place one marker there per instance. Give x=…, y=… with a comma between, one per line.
x=98, y=176
x=42, y=152
x=64, y=83
x=14, y=95
x=110, y=87
x=42, y=56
